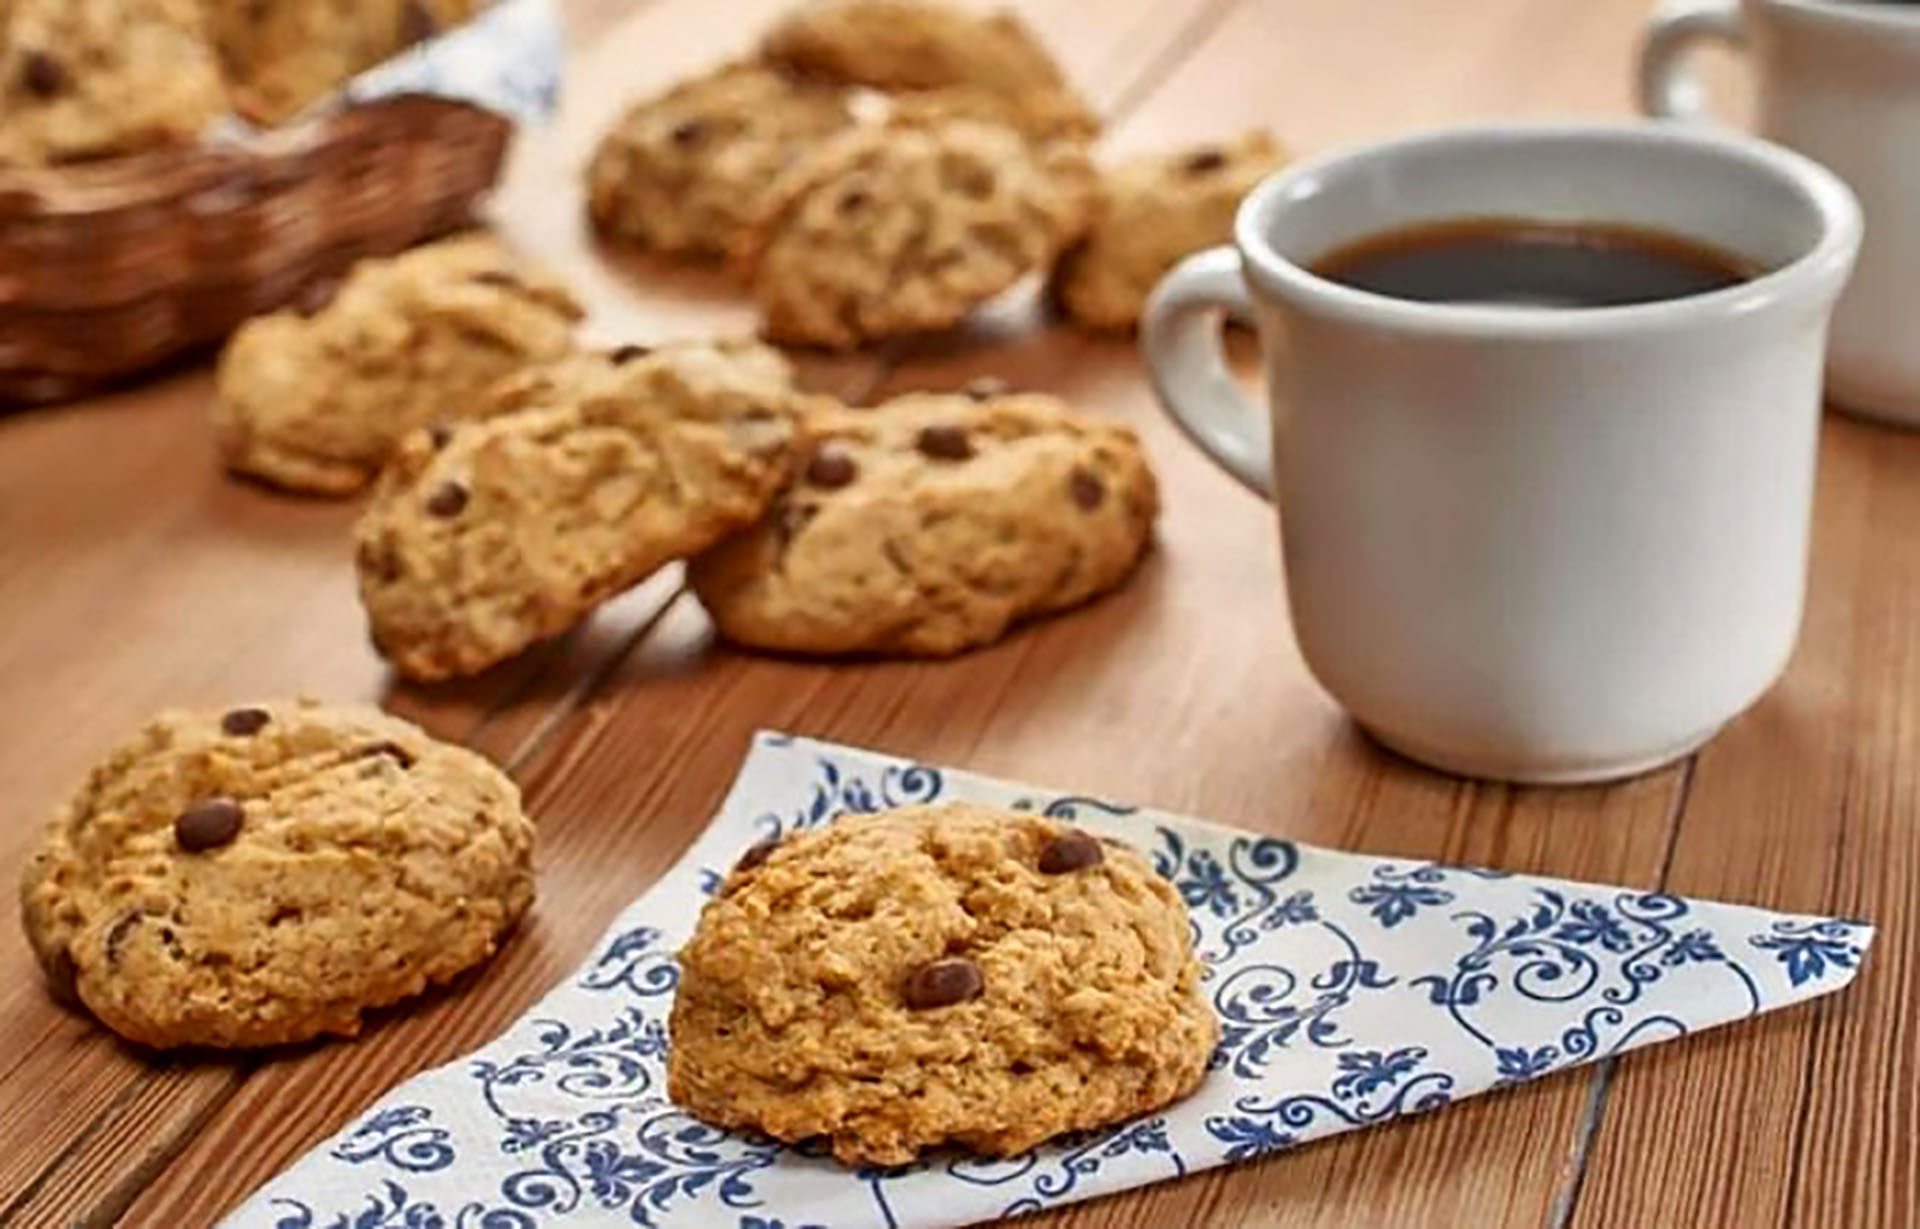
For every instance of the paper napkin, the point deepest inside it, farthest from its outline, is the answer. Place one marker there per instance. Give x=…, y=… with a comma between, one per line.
x=1351, y=990
x=508, y=59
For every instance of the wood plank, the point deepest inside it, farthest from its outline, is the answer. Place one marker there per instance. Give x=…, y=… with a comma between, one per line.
x=1807, y=804
x=651, y=46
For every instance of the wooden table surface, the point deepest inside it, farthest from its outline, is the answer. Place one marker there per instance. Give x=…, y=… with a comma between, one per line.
x=134, y=576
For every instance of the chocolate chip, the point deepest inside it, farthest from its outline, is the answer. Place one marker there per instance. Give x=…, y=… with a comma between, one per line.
x=985, y=388
x=392, y=750
x=1070, y=850
x=416, y=23
x=208, y=825
x=853, y=200
x=686, y=132
x=832, y=468
x=620, y=356
x=41, y=74
x=379, y=560
x=942, y=984
x=242, y=722
x=1086, y=488
x=118, y=932
x=945, y=443
x=757, y=853
x=1204, y=162
x=440, y=433
x=448, y=500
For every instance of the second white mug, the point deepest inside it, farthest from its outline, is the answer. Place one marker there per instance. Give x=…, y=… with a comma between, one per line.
x=1527, y=543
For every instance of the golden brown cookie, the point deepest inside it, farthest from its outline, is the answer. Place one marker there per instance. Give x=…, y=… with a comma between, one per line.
x=317, y=404
x=689, y=171
x=284, y=56
x=902, y=45
x=484, y=539
x=1149, y=214
x=266, y=875
x=906, y=227
x=83, y=79
x=933, y=975
x=933, y=524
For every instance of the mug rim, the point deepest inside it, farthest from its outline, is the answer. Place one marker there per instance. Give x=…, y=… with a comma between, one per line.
x=1826, y=262
x=1848, y=14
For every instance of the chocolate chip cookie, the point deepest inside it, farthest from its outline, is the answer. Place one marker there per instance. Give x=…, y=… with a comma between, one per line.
x=317, y=403
x=266, y=875
x=687, y=172
x=1151, y=213
x=488, y=537
x=83, y=79
x=285, y=56
x=933, y=975
x=905, y=227
x=933, y=524
x=907, y=45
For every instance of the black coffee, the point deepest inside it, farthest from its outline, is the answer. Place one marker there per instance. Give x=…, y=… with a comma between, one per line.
x=1533, y=264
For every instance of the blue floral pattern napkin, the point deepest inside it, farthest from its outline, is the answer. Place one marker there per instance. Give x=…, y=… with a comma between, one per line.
x=1352, y=990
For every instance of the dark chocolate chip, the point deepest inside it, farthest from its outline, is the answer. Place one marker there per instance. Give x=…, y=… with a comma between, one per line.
x=1070, y=850
x=392, y=750
x=448, y=500
x=985, y=388
x=942, y=984
x=242, y=722
x=118, y=932
x=41, y=74
x=416, y=23
x=1204, y=162
x=622, y=355
x=853, y=200
x=757, y=853
x=208, y=824
x=945, y=443
x=687, y=132
x=832, y=468
x=440, y=433
x=1087, y=489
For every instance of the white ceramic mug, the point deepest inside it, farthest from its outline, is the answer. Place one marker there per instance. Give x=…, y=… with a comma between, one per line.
x=1526, y=543
x=1840, y=82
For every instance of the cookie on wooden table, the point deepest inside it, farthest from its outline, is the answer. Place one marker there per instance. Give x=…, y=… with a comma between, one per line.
x=933, y=524
x=317, y=403
x=933, y=975
x=267, y=875
x=1151, y=213
x=487, y=538
x=82, y=79
x=284, y=56
x=906, y=227
x=688, y=171
x=901, y=45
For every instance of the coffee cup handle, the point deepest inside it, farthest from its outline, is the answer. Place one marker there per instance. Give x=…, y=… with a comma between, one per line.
x=1180, y=334
x=1668, y=87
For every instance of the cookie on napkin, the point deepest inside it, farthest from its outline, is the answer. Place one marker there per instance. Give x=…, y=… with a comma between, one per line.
x=932, y=975
x=266, y=875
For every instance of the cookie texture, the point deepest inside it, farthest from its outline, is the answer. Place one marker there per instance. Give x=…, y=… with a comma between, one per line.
x=267, y=875
x=486, y=538
x=85, y=79
x=283, y=57
x=933, y=975
x=689, y=171
x=933, y=524
x=1151, y=213
x=900, y=45
x=905, y=227
x=317, y=404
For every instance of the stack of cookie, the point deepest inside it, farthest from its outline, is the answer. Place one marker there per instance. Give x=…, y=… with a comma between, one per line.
x=87, y=79
x=858, y=223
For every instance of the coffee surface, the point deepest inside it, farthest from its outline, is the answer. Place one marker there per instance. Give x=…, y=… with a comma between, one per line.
x=1518, y=262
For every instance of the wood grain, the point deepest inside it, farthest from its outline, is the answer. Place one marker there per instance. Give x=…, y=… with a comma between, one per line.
x=132, y=576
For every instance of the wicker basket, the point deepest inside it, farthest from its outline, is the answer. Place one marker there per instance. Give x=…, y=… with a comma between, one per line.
x=110, y=269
